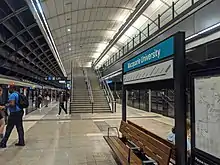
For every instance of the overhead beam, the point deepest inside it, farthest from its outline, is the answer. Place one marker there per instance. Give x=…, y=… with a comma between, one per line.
x=13, y=14
x=21, y=40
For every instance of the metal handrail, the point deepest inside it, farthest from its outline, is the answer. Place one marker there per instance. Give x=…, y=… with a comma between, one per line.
x=89, y=88
x=167, y=100
x=149, y=31
x=108, y=93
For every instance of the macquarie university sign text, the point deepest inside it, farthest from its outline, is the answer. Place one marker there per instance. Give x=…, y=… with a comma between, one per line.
x=156, y=53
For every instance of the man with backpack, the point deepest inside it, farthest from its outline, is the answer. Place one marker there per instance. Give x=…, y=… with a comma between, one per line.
x=16, y=103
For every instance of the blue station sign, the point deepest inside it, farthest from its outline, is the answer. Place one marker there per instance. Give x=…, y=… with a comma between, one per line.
x=158, y=52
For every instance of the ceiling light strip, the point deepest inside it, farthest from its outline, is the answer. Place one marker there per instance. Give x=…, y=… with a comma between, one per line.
x=57, y=56
x=47, y=31
x=207, y=30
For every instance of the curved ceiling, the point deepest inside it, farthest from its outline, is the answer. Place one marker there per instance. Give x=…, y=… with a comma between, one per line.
x=82, y=29
x=94, y=30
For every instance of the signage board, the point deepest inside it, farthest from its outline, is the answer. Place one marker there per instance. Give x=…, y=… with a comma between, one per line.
x=158, y=52
x=156, y=72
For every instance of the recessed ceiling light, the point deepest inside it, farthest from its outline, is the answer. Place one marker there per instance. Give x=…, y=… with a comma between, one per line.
x=69, y=44
x=68, y=30
x=70, y=49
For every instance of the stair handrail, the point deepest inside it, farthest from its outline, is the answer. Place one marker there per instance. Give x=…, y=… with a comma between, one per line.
x=109, y=95
x=89, y=87
x=167, y=99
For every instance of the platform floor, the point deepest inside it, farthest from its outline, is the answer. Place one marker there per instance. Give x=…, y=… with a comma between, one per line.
x=74, y=140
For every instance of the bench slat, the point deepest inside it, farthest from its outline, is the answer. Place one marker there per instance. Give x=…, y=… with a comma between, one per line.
x=134, y=159
x=121, y=151
x=173, y=152
x=152, y=147
x=115, y=150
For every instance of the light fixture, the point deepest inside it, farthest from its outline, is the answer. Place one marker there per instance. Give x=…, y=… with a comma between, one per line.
x=213, y=27
x=46, y=29
x=70, y=49
x=68, y=30
x=69, y=44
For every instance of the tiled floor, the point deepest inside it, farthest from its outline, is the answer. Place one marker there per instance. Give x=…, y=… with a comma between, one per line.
x=73, y=140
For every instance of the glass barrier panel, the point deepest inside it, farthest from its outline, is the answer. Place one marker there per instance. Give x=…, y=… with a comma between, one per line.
x=153, y=27
x=136, y=40
x=182, y=5
x=131, y=45
x=143, y=36
x=125, y=49
x=145, y=31
x=166, y=17
x=120, y=54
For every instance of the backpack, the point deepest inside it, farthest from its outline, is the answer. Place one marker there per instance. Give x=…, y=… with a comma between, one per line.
x=22, y=101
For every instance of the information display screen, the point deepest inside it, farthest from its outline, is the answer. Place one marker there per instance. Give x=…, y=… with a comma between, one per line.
x=207, y=114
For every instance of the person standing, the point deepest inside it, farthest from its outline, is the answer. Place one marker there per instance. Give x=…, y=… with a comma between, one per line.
x=61, y=104
x=2, y=119
x=14, y=119
x=39, y=101
x=46, y=99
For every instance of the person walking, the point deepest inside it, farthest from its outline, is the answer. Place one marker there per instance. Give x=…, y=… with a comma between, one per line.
x=61, y=104
x=14, y=119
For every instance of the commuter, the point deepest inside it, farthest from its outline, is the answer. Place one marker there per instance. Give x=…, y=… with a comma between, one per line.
x=46, y=99
x=39, y=101
x=68, y=95
x=57, y=96
x=2, y=120
x=61, y=104
x=171, y=137
x=15, y=118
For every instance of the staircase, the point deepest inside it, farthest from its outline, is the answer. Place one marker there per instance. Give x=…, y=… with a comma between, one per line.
x=80, y=99
x=100, y=102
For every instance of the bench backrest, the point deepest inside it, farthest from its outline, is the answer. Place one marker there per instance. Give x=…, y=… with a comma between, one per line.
x=173, y=152
x=151, y=146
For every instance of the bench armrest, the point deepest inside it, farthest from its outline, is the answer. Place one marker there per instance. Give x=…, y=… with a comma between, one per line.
x=129, y=153
x=113, y=128
x=148, y=162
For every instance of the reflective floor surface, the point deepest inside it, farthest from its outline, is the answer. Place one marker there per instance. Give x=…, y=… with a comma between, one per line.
x=73, y=140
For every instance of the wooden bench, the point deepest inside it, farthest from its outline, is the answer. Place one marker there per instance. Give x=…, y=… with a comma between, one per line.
x=134, y=139
x=121, y=150
x=171, y=145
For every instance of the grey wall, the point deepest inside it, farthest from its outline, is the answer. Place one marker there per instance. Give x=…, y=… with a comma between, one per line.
x=205, y=17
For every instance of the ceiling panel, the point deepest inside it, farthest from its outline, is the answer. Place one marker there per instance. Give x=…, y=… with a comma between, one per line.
x=91, y=22
x=59, y=6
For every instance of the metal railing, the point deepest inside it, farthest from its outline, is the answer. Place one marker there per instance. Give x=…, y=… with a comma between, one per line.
x=167, y=99
x=89, y=88
x=108, y=93
x=150, y=29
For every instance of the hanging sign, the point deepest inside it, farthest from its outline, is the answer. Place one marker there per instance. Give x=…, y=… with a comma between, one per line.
x=158, y=52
